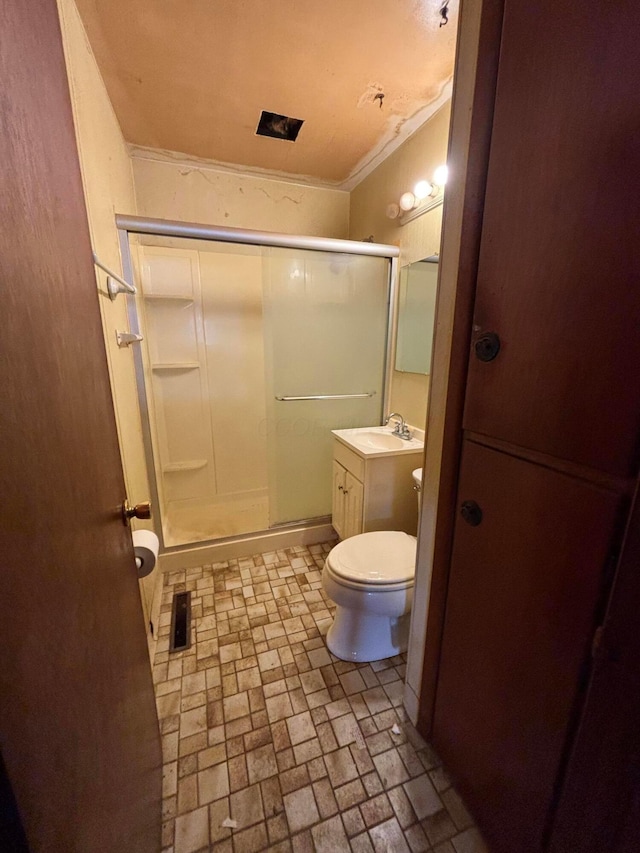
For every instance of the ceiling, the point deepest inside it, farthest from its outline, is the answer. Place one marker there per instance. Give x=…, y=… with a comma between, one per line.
x=192, y=76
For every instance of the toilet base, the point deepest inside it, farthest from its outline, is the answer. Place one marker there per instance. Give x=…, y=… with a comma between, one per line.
x=361, y=637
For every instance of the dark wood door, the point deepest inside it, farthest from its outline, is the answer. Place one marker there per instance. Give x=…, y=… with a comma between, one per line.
x=557, y=276
x=78, y=729
x=600, y=805
x=524, y=593
x=551, y=425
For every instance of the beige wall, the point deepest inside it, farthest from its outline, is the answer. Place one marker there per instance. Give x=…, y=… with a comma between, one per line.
x=416, y=159
x=194, y=191
x=108, y=188
x=459, y=155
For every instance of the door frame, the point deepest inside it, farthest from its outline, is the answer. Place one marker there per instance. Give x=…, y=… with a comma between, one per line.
x=475, y=77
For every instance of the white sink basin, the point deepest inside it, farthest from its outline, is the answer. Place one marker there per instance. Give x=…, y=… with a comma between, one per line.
x=378, y=441
x=381, y=440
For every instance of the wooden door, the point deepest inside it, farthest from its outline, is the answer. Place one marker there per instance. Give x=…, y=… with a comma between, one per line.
x=519, y=624
x=557, y=277
x=78, y=728
x=551, y=422
x=599, y=809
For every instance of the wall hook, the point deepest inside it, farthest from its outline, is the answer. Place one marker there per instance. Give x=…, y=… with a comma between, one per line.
x=125, y=339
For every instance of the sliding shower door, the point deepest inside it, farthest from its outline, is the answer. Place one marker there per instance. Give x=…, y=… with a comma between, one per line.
x=252, y=355
x=325, y=337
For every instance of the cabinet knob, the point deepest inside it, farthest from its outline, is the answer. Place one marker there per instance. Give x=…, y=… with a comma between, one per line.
x=341, y=488
x=471, y=513
x=346, y=491
x=487, y=346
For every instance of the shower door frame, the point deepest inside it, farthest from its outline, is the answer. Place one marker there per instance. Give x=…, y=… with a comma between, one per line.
x=127, y=225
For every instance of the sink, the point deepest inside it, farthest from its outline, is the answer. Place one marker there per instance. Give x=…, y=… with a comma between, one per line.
x=381, y=440
x=378, y=441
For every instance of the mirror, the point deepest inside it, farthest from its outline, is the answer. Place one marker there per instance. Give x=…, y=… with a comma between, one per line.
x=416, y=315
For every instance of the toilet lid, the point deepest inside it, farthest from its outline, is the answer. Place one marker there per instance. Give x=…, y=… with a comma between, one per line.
x=382, y=557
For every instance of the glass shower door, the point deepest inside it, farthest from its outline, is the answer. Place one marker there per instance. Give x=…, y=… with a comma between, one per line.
x=325, y=320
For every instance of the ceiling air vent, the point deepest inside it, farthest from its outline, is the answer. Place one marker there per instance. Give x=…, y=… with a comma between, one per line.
x=279, y=127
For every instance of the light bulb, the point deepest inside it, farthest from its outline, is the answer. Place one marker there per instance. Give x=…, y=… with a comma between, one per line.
x=393, y=211
x=407, y=201
x=422, y=190
x=440, y=176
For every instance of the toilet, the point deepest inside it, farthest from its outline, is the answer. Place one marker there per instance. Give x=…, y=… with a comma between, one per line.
x=370, y=578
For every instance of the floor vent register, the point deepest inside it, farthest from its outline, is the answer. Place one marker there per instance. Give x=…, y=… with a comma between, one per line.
x=180, y=622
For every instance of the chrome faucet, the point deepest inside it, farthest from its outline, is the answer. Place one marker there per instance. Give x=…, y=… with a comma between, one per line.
x=400, y=429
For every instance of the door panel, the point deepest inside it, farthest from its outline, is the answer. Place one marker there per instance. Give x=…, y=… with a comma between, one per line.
x=354, y=501
x=338, y=519
x=325, y=323
x=558, y=262
x=78, y=726
x=600, y=806
x=523, y=594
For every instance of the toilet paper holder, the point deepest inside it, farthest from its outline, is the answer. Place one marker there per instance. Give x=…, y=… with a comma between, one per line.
x=141, y=510
x=146, y=547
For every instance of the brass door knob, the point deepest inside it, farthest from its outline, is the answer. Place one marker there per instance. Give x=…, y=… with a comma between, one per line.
x=141, y=510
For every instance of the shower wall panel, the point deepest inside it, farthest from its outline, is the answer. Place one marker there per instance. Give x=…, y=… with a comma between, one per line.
x=172, y=320
x=202, y=318
x=233, y=329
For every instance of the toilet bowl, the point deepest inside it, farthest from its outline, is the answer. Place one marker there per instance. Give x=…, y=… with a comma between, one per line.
x=370, y=577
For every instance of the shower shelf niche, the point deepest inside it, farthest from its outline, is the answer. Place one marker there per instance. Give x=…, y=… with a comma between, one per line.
x=188, y=465
x=177, y=365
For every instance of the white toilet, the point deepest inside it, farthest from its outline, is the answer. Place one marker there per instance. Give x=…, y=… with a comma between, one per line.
x=370, y=578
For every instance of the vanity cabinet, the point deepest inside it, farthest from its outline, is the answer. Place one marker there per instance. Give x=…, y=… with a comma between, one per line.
x=373, y=491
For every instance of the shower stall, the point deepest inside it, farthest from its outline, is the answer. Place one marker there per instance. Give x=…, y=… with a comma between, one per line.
x=255, y=346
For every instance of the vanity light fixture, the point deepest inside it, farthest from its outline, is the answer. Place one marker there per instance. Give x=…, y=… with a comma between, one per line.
x=440, y=175
x=407, y=201
x=426, y=196
x=423, y=189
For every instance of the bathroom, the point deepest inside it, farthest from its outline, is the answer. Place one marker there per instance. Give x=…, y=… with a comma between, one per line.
x=269, y=740
x=150, y=183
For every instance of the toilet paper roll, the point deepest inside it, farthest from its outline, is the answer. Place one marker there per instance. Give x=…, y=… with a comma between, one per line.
x=145, y=545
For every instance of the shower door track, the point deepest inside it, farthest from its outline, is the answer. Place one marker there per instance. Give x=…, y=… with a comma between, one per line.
x=281, y=527
x=169, y=228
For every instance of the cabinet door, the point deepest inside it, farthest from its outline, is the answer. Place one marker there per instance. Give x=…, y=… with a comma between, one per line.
x=557, y=275
x=338, y=507
x=524, y=591
x=353, y=503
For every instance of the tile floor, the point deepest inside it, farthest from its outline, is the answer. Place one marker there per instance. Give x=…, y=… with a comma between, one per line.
x=261, y=725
